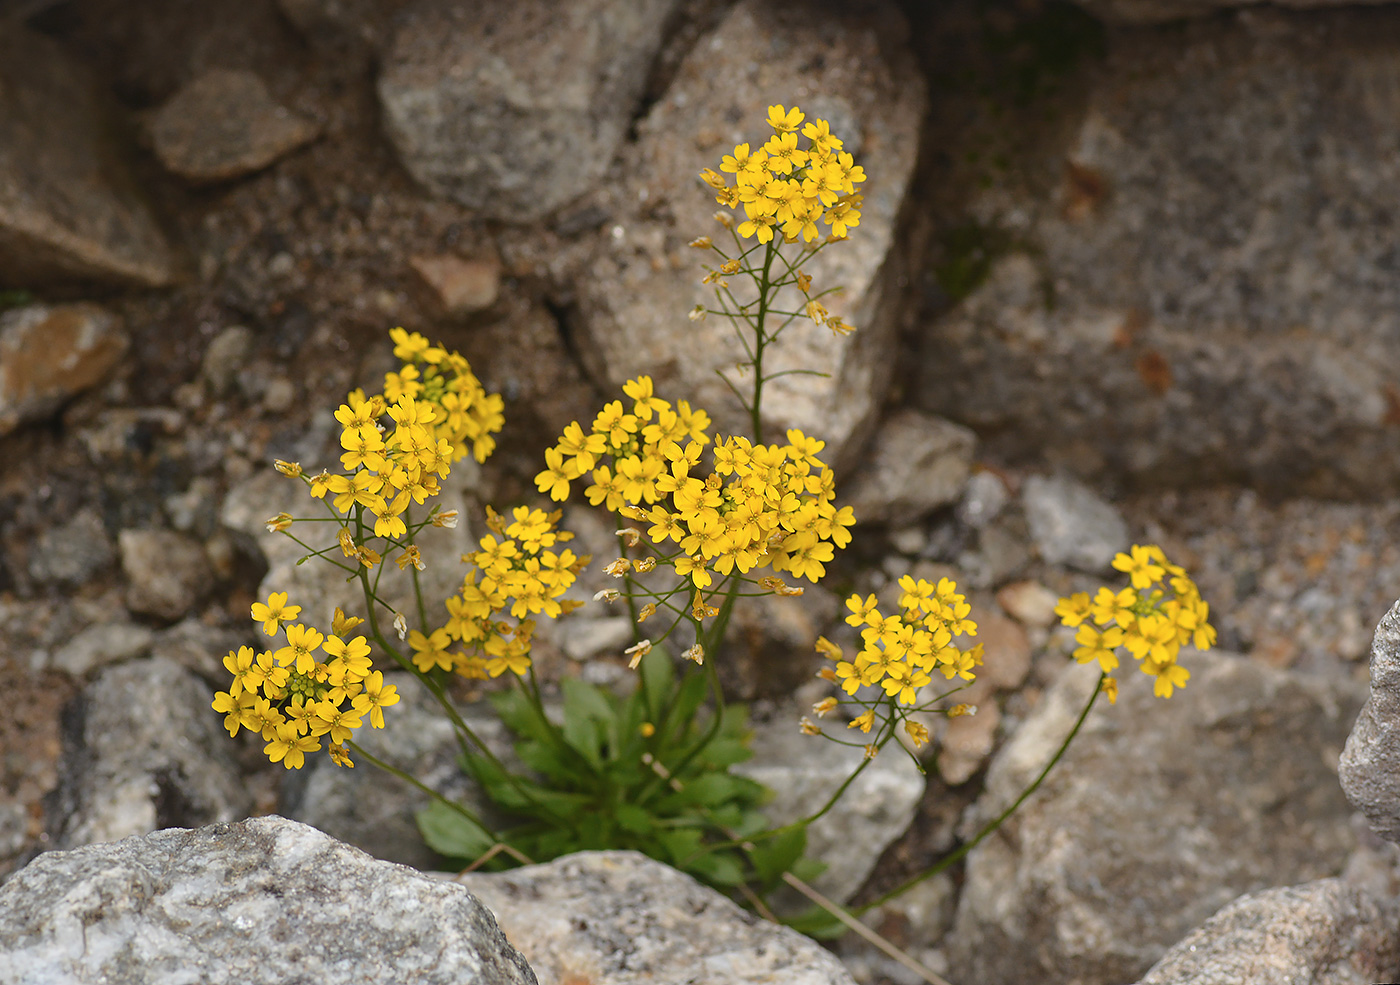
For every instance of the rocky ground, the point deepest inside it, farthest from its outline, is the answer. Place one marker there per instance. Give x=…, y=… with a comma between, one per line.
x=1073, y=338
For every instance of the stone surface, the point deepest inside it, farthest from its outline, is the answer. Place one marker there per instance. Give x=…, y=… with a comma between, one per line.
x=142, y=750
x=1324, y=933
x=461, y=286
x=1199, y=286
x=102, y=644
x=1160, y=813
x=1073, y=525
x=620, y=918
x=919, y=463
x=803, y=772
x=1370, y=766
x=51, y=353
x=1029, y=602
x=516, y=109
x=265, y=900
x=69, y=208
x=72, y=552
x=1162, y=11
x=847, y=64
x=167, y=572
x=375, y=812
x=224, y=124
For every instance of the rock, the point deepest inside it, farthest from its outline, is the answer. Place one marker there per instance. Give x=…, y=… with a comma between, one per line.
x=803, y=772
x=375, y=812
x=1324, y=932
x=1162, y=11
x=317, y=586
x=620, y=918
x=73, y=552
x=51, y=353
x=984, y=497
x=516, y=109
x=581, y=639
x=1001, y=552
x=1224, y=305
x=167, y=572
x=143, y=750
x=1007, y=648
x=69, y=208
x=643, y=279
x=1071, y=525
x=265, y=900
x=224, y=125
x=966, y=743
x=225, y=356
x=461, y=286
x=97, y=646
x=1029, y=602
x=1160, y=813
x=918, y=464
x=1370, y=766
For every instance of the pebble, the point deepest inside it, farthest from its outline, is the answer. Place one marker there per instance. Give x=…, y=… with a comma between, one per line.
x=1072, y=525
x=1029, y=602
x=73, y=552
x=167, y=572
x=461, y=286
x=51, y=353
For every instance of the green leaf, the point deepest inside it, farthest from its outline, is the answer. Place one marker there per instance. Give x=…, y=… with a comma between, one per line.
x=660, y=678
x=718, y=868
x=449, y=833
x=817, y=924
x=724, y=752
x=632, y=818
x=590, y=720
x=774, y=856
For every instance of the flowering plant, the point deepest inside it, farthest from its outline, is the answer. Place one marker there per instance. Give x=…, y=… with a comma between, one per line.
x=703, y=521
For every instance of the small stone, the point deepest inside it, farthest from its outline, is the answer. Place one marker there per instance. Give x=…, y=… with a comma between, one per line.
x=227, y=353
x=967, y=742
x=225, y=125
x=999, y=555
x=919, y=463
x=1073, y=525
x=462, y=286
x=582, y=639
x=51, y=353
x=1029, y=602
x=1370, y=768
x=73, y=552
x=167, y=572
x=909, y=540
x=1007, y=648
x=984, y=497
x=98, y=646
x=280, y=395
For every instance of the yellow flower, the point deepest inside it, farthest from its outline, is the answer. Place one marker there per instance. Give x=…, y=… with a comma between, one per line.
x=785, y=121
x=273, y=612
x=1144, y=565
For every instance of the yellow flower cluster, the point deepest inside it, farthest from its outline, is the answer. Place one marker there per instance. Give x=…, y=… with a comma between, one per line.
x=514, y=570
x=1143, y=618
x=314, y=686
x=759, y=505
x=901, y=652
x=789, y=188
x=466, y=415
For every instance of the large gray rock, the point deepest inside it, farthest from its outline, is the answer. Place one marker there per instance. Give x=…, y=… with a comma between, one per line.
x=1370, y=766
x=1071, y=524
x=264, y=900
x=620, y=918
x=51, y=353
x=1160, y=813
x=516, y=109
x=846, y=64
x=69, y=208
x=1324, y=933
x=142, y=750
x=1200, y=283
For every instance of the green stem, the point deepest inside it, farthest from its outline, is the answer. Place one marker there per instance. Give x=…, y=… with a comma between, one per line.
x=760, y=342
x=470, y=815
x=956, y=856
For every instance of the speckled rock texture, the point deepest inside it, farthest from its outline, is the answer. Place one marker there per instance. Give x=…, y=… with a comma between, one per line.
x=1198, y=282
x=1370, y=767
x=845, y=63
x=264, y=900
x=515, y=109
x=1160, y=813
x=70, y=210
x=918, y=463
x=620, y=918
x=1323, y=933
